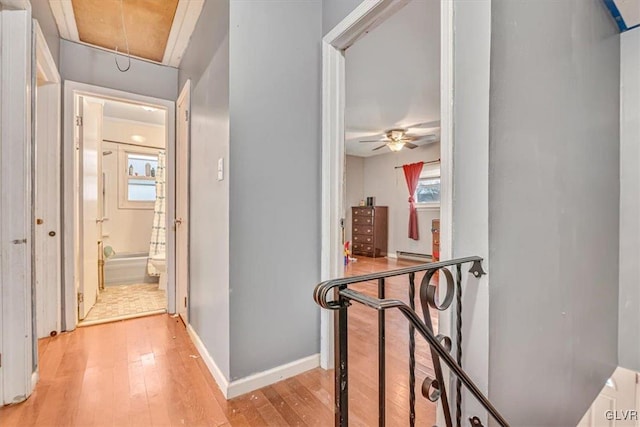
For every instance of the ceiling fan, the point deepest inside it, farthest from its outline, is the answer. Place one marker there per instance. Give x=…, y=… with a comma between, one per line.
x=398, y=138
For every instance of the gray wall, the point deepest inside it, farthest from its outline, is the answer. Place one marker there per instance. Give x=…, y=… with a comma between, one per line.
x=629, y=298
x=41, y=11
x=206, y=63
x=89, y=65
x=275, y=75
x=554, y=207
x=334, y=11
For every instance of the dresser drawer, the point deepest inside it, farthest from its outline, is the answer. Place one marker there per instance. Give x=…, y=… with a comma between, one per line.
x=362, y=249
x=363, y=229
x=363, y=211
x=362, y=220
x=362, y=238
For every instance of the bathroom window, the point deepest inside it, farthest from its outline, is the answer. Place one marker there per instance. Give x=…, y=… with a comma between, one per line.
x=138, y=183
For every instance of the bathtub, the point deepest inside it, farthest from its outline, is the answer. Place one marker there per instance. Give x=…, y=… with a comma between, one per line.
x=126, y=269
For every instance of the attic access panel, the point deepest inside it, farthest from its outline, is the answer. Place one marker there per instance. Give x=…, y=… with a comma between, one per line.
x=148, y=23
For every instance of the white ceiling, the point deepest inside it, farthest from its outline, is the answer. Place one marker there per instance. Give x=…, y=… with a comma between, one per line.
x=393, y=77
x=133, y=112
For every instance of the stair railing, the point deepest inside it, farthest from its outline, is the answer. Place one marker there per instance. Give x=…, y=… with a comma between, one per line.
x=335, y=295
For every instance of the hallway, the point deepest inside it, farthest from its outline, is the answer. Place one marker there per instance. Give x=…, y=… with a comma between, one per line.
x=146, y=371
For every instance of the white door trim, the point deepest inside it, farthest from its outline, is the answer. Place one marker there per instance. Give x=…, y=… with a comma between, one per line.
x=365, y=17
x=71, y=89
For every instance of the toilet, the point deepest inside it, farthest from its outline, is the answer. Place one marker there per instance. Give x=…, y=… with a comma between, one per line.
x=159, y=262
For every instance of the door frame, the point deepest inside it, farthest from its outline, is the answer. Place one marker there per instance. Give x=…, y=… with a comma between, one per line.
x=185, y=93
x=71, y=89
x=365, y=17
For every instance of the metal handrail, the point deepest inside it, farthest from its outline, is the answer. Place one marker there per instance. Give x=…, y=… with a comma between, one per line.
x=342, y=298
x=324, y=288
x=386, y=304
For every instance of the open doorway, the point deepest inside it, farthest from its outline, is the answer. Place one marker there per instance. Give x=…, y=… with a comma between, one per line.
x=363, y=22
x=392, y=119
x=121, y=210
x=119, y=196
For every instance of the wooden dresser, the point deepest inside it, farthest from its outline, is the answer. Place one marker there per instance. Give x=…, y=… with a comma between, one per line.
x=369, y=227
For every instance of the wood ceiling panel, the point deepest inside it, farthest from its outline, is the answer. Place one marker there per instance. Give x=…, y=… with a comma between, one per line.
x=148, y=23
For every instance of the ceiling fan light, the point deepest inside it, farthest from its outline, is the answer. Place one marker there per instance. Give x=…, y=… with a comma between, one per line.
x=396, y=145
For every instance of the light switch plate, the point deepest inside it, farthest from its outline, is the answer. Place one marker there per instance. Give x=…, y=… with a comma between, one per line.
x=220, y=169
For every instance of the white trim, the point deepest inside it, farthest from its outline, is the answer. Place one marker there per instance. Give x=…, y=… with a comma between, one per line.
x=44, y=60
x=366, y=16
x=252, y=382
x=272, y=376
x=35, y=377
x=217, y=374
x=15, y=5
x=119, y=318
x=71, y=89
x=184, y=22
x=65, y=19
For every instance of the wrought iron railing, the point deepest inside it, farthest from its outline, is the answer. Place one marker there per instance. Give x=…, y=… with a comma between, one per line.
x=336, y=295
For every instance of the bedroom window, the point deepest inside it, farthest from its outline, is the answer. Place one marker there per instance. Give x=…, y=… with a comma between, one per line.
x=428, y=190
x=138, y=179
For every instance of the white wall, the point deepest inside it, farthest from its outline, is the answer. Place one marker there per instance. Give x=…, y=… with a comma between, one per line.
x=126, y=230
x=353, y=189
x=629, y=292
x=121, y=131
x=376, y=176
x=84, y=64
x=389, y=187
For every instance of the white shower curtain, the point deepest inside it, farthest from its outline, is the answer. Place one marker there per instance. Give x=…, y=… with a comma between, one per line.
x=157, y=245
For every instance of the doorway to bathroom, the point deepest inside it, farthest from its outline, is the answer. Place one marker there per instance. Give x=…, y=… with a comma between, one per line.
x=122, y=180
x=129, y=226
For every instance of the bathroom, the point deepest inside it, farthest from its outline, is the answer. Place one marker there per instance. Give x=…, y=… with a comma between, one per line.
x=131, y=187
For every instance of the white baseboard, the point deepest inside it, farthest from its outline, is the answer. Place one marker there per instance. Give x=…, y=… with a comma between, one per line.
x=252, y=382
x=218, y=376
x=273, y=375
x=35, y=377
x=392, y=255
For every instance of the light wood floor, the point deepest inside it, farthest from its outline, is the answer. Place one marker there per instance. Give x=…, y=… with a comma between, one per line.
x=146, y=371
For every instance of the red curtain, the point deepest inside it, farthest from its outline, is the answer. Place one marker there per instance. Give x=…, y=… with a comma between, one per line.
x=412, y=175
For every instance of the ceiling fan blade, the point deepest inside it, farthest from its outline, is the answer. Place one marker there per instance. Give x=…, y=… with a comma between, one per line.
x=410, y=145
x=371, y=140
x=425, y=125
x=429, y=138
x=377, y=148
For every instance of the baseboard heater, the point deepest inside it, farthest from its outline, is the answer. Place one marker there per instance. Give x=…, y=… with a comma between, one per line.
x=413, y=256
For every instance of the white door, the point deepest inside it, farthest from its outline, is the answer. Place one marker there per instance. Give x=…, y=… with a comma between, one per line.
x=616, y=405
x=182, y=202
x=47, y=210
x=90, y=135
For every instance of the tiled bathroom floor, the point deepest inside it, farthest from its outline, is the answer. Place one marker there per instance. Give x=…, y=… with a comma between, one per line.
x=126, y=301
